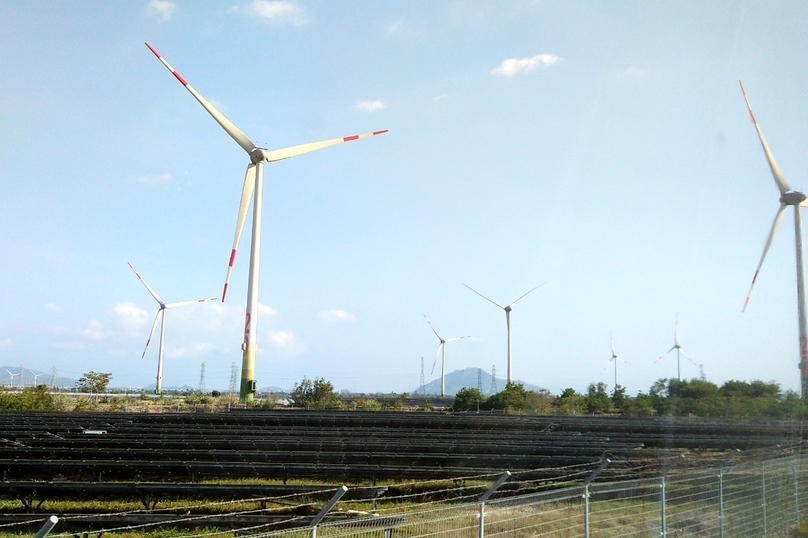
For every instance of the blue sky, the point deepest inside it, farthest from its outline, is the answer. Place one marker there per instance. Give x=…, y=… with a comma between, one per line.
x=603, y=149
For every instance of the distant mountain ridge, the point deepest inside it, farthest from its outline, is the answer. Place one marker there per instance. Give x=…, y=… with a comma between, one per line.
x=468, y=378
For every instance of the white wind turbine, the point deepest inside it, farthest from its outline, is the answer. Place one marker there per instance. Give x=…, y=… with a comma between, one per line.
x=507, y=310
x=11, y=383
x=161, y=317
x=795, y=199
x=614, y=358
x=678, y=349
x=253, y=187
x=442, y=353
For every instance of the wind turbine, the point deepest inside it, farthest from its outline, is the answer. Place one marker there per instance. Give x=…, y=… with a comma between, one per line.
x=614, y=358
x=11, y=383
x=158, y=388
x=253, y=187
x=442, y=353
x=678, y=349
x=788, y=197
x=36, y=376
x=507, y=310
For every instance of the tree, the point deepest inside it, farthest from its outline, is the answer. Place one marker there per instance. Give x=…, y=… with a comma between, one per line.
x=570, y=402
x=93, y=382
x=597, y=399
x=317, y=393
x=467, y=399
x=512, y=398
x=540, y=402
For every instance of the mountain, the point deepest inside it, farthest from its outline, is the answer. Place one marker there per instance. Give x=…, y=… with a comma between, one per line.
x=468, y=378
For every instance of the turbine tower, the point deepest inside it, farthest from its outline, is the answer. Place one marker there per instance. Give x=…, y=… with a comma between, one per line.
x=253, y=187
x=678, y=349
x=788, y=197
x=507, y=310
x=442, y=354
x=158, y=387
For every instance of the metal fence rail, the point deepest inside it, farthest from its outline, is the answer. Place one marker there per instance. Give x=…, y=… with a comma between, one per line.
x=750, y=495
x=759, y=497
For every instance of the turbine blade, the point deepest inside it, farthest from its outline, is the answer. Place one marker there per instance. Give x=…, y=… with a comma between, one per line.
x=294, y=151
x=486, y=298
x=775, y=225
x=682, y=351
x=153, y=293
x=779, y=179
x=440, y=346
x=456, y=339
x=612, y=341
x=234, y=132
x=664, y=355
x=153, y=327
x=186, y=303
x=433, y=328
x=244, y=205
x=520, y=298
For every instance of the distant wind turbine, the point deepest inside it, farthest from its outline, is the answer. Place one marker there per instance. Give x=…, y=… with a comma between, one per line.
x=788, y=197
x=161, y=316
x=253, y=187
x=11, y=383
x=507, y=310
x=678, y=349
x=614, y=358
x=442, y=354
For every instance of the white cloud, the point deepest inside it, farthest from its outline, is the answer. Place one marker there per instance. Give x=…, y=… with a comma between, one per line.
x=5, y=343
x=394, y=28
x=129, y=316
x=162, y=10
x=155, y=179
x=511, y=67
x=286, y=342
x=369, y=106
x=335, y=316
x=264, y=310
x=270, y=10
x=95, y=331
x=53, y=307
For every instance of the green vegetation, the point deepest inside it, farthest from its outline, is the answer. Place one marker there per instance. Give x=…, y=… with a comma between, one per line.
x=93, y=382
x=670, y=397
x=317, y=394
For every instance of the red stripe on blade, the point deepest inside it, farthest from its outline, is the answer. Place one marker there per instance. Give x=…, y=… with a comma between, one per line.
x=232, y=258
x=379, y=132
x=179, y=77
x=224, y=292
x=349, y=138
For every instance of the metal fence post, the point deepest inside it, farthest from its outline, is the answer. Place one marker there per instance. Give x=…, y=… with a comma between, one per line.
x=485, y=497
x=665, y=471
x=795, y=470
x=589, y=479
x=721, y=500
x=327, y=508
x=46, y=528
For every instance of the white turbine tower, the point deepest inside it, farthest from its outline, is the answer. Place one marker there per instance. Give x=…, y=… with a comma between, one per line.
x=253, y=187
x=158, y=388
x=678, y=349
x=614, y=358
x=795, y=199
x=507, y=310
x=442, y=353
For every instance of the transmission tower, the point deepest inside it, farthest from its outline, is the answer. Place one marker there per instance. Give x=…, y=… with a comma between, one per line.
x=494, y=379
x=202, y=379
x=480, y=380
x=423, y=386
x=53, y=378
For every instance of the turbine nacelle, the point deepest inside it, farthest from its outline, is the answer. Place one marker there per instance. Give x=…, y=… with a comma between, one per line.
x=793, y=198
x=258, y=155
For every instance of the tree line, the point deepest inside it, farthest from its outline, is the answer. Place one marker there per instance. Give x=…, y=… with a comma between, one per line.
x=666, y=397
